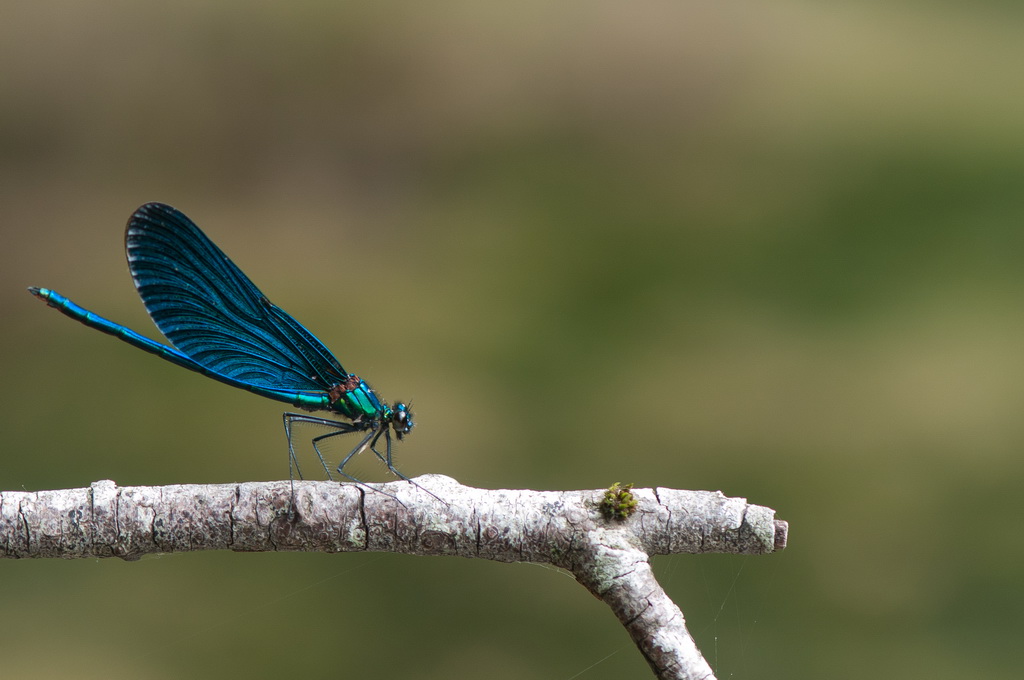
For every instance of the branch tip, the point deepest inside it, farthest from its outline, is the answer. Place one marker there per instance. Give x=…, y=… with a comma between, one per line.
x=781, y=534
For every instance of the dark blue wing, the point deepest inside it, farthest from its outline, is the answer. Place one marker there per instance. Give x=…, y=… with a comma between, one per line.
x=213, y=313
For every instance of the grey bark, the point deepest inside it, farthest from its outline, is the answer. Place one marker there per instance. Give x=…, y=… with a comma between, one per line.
x=563, y=528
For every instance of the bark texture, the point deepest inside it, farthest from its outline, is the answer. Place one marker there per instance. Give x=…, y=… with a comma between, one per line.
x=610, y=557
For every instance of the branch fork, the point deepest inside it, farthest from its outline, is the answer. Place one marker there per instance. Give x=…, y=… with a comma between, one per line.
x=609, y=557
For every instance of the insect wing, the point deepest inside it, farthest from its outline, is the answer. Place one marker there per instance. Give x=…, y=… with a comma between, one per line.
x=213, y=313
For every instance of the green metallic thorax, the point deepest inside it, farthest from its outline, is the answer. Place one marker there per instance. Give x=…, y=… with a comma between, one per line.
x=357, y=401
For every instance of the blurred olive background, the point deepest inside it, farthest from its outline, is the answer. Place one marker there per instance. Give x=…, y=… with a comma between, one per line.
x=773, y=249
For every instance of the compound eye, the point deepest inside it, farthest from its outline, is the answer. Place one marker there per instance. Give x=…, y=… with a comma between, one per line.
x=401, y=420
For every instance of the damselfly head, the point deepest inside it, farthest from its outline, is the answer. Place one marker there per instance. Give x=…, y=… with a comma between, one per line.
x=401, y=420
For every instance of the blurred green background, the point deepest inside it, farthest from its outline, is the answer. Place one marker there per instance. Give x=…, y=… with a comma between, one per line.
x=773, y=249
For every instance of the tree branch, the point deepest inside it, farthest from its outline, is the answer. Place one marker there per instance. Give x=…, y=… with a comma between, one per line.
x=610, y=557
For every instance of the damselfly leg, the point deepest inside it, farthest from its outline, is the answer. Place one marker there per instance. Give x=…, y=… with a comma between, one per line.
x=341, y=428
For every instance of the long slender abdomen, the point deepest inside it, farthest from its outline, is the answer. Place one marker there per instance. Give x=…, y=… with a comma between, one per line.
x=312, y=401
